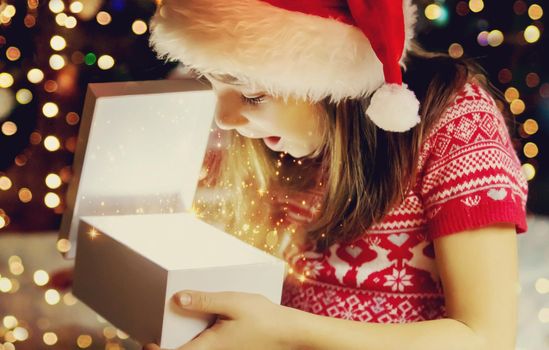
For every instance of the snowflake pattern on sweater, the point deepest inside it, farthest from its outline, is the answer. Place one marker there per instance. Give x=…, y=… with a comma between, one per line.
x=469, y=177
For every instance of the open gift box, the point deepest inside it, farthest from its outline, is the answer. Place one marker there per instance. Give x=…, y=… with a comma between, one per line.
x=134, y=237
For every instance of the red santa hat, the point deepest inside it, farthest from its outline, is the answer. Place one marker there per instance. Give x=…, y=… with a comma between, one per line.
x=300, y=48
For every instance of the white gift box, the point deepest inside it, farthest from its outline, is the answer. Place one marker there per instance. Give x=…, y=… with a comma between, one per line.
x=133, y=235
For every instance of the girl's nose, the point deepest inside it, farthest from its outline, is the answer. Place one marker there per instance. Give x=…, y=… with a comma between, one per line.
x=227, y=113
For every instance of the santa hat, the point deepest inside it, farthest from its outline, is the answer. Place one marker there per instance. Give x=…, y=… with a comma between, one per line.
x=301, y=48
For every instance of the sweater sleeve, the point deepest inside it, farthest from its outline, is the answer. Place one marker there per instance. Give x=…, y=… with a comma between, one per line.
x=472, y=176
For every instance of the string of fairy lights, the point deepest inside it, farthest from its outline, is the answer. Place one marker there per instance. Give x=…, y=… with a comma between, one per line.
x=47, y=81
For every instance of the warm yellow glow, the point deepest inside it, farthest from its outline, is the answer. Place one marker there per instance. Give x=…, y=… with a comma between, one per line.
x=5, y=183
x=53, y=181
x=476, y=5
x=71, y=22
x=10, y=321
x=9, y=128
x=103, y=18
x=41, y=277
x=93, y=233
x=2, y=221
x=51, y=143
x=57, y=62
x=530, y=126
x=76, y=7
x=511, y=94
x=455, y=50
x=25, y=195
x=58, y=43
x=6, y=80
x=109, y=332
x=51, y=200
x=63, y=245
x=50, y=109
x=9, y=11
x=529, y=171
x=60, y=19
x=49, y=338
x=543, y=315
x=13, y=53
x=121, y=334
x=105, y=62
x=17, y=268
x=495, y=38
x=517, y=106
x=56, y=6
x=84, y=341
x=542, y=285
x=535, y=11
x=5, y=284
x=433, y=11
x=139, y=27
x=35, y=75
x=20, y=333
x=531, y=34
x=23, y=96
x=530, y=150
x=52, y=296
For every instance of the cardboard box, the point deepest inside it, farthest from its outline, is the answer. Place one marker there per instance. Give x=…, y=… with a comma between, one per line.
x=133, y=236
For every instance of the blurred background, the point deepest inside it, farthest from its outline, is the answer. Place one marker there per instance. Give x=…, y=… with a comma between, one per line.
x=51, y=49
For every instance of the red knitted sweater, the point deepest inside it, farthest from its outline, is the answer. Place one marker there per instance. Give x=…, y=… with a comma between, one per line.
x=469, y=177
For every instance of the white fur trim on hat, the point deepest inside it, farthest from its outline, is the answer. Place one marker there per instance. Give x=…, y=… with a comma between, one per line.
x=394, y=108
x=283, y=52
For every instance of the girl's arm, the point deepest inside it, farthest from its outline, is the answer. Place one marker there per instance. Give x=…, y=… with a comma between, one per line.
x=479, y=273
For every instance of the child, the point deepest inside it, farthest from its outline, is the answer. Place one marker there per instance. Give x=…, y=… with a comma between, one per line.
x=403, y=188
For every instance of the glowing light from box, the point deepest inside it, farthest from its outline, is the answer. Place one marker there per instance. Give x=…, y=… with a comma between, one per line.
x=103, y=18
x=105, y=62
x=93, y=233
x=41, y=277
x=23, y=96
x=57, y=62
x=58, y=43
x=139, y=27
x=35, y=75
x=52, y=296
x=84, y=341
x=76, y=7
x=5, y=183
x=56, y=6
x=50, y=109
x=49, y=338
x=69, y=299
x=9, y=128
x=51, y=143
x=10, y=321
x=6, y=80
x=532, y=34
x=51, y=200
x=25, y=195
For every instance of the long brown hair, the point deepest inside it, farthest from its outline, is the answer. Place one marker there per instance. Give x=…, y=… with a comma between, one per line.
x=366, y=170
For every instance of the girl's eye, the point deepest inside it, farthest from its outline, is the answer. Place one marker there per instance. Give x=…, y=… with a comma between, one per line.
x=253, y=100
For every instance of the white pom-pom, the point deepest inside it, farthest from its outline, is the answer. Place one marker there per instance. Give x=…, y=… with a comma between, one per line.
x=394, y=107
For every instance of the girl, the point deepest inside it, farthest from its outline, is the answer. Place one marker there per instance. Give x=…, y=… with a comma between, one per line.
x=403, y=199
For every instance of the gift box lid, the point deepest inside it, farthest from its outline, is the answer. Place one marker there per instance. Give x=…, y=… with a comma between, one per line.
x=140, y=149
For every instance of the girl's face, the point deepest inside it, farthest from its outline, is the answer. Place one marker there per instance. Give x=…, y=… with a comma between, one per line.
x=293, y=127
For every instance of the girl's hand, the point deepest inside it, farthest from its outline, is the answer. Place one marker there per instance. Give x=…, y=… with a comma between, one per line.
x=245, y=321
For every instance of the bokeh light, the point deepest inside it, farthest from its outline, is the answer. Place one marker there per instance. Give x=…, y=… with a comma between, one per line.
x=105, y=62
x=9, y=128
x=53, y=181
x=23, y=96
x=50, y=109
x=57, y=62
x=35, y=75
x=6, y=80
x=139, y=27
x=51, y=143
x=531, y=34
x=58, y=43
x=103, y=18
x=25, y=195
x=52, y=200
x=535, y=12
